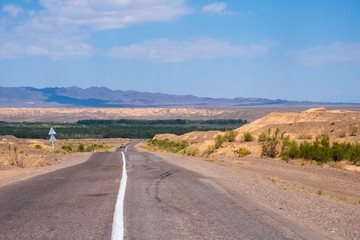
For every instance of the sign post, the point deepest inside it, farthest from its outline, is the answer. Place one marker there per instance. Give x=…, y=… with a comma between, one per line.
x=52, y=138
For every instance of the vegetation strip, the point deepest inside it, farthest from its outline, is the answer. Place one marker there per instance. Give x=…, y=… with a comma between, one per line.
x=122, y=128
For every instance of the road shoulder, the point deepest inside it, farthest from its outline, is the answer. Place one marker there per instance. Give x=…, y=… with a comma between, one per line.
x=16, y=174
x=333, y=217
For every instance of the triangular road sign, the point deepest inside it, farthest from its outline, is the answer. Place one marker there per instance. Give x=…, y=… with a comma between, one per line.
x=52, y=138
x=52, y=131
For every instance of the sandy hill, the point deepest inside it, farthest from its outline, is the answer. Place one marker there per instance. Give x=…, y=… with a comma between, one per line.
x=300, y=126
x=307, y=124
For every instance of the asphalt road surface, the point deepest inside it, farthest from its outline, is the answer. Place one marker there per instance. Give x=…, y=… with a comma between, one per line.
x=162, y=201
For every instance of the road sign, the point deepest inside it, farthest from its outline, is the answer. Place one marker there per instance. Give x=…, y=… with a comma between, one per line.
x=52, y=138
x=52, y=131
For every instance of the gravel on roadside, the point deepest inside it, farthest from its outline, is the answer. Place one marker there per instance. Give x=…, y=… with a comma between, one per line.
x=305, y=194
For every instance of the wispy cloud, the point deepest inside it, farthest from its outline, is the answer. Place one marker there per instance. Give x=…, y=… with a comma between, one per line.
x=110, y=14
x=219, y=8
x=164, y=50
x=61, y=27
x=13, y=10
x=214, y=8
x=336, y=52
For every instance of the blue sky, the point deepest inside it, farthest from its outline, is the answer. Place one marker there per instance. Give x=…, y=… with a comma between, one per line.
x=280, y=49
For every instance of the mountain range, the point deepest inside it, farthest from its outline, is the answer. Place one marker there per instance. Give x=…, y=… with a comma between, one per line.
x=71, y=97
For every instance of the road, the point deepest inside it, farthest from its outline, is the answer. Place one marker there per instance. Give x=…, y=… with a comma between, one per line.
x=162, y=201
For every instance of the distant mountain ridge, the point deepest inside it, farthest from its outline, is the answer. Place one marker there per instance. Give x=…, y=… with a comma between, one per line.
x=104, y=97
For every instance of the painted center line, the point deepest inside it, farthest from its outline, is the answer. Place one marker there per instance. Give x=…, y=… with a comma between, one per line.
x=118, y=221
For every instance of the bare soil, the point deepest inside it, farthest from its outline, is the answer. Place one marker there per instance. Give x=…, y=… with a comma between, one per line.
x=75, y=114
x=299, y=126
x=39, y=161
x=323, y=198
x=14, y=174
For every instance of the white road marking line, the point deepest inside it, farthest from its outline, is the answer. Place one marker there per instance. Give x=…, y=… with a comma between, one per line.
x=118, y=221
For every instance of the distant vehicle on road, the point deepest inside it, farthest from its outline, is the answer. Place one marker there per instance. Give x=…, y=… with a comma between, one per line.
x=122, y=146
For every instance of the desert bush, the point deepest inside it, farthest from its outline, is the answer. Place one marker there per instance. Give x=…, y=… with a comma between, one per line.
x=353, y=130
x=339, y=151
x=167, y=145
x=38, y=146
x=289, y=149
x=91, y=148
x=270, y=145
x=243, y=152
x=353, y=153
x=319, y=150
x=67, y=148
x=219, y=140
x=14, y=158
x=191, y=150
x=248, y=137
x=262, y=137
x=230, y=136
x=81, y=147
x=210, y=149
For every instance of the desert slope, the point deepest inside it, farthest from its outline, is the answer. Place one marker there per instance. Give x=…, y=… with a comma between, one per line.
x=308, y=124
x=300, y=126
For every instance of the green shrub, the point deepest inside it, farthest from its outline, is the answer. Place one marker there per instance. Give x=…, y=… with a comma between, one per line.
x=243, y=152
x=353, y=153
x=262, y=137
x=353, y=130
x=319, y=150
x=167, y=145
x=230, y=136
x=38, y=146
x=289, y=149
x=270, y=145
x=81, y=147
x=67, y=148
x=339, y=151
x=248, y=137
x=306, y=150
x=91, y=148
x=219, y=140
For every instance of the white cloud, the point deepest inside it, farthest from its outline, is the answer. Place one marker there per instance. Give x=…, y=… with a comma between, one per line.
x=13, y=10
x=214, y=8
x=61, y=28
x=110, y=14
x=53, y=50
x=336, y=52
x=163, y=50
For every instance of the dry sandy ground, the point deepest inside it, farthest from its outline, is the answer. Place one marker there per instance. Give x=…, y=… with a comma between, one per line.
x=75, y=114
x=299, y=126
x=325, y=199
x=16, y=174
x=9, y=174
